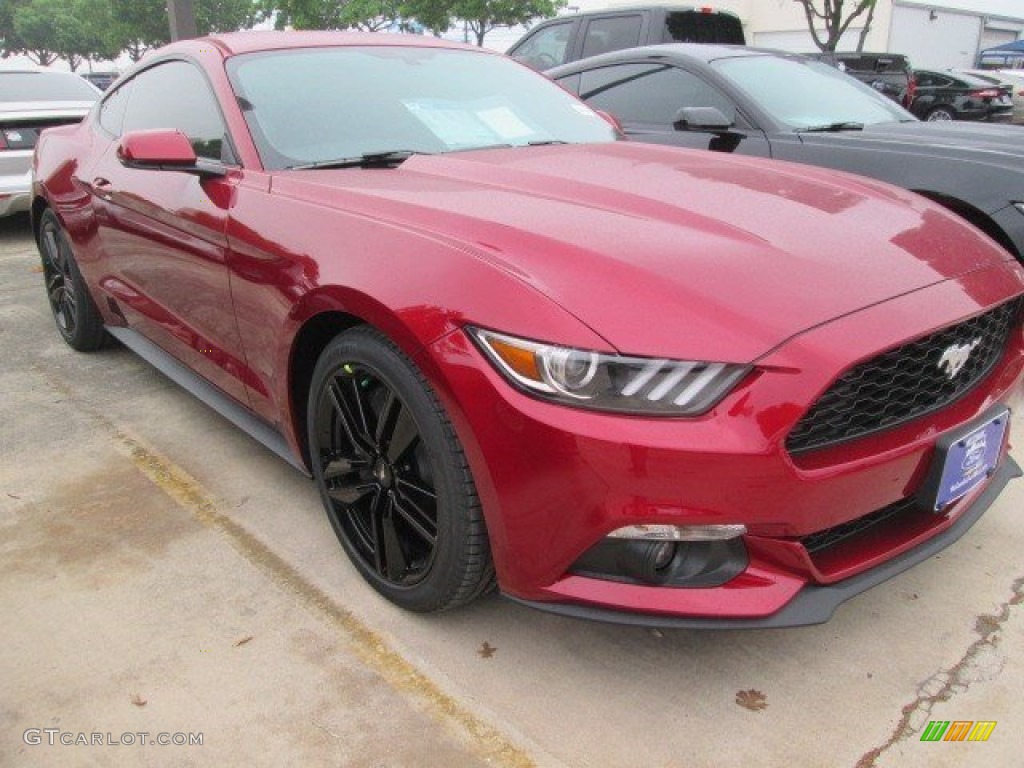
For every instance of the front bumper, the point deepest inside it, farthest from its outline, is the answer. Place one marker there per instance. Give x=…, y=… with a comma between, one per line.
x=815, y=603
x=555, y=481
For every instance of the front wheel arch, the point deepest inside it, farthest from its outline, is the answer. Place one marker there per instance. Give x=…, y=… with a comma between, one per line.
x=975, y=216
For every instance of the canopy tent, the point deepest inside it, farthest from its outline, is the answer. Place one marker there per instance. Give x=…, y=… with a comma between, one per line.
x=1006, y=56
x=1016, y=45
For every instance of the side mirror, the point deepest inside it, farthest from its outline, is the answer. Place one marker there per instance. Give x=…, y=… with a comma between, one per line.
x=708, y=119
x=163, y=150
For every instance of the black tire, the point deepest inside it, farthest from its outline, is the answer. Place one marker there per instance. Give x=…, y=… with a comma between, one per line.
x=78, y=319
x=940, y=114
x=393, y=476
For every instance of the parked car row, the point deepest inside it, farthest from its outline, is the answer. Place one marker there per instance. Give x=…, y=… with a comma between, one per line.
x=616, y=380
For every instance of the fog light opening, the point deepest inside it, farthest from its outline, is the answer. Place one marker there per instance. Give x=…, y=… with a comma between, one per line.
x=662, y=555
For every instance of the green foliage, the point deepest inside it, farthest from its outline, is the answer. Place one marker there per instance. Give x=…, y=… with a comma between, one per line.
x=306, y=14
x=372, y=15
x=10, y=40
x=101, y=29
x=481, y=16
x=54, y=28
x=214, y=16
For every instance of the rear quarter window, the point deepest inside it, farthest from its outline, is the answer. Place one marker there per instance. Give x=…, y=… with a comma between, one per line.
x=612, y=34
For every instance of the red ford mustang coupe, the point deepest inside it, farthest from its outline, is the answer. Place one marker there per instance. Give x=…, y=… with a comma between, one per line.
x=619, y=381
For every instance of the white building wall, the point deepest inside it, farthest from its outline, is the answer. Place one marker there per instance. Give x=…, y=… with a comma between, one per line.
x=934, y=39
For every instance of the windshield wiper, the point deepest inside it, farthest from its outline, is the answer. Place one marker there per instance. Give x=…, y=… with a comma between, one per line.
x=389, y=159
x=545, y=143
x=833, y=127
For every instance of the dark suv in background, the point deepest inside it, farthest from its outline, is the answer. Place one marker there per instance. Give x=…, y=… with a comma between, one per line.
x=888, y=73
x=578, y=36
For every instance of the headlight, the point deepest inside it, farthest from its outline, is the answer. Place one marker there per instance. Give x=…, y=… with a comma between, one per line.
x=609, y=382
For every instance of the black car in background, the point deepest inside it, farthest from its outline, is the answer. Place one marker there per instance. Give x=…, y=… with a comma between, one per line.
x=956, y=96
x=888, y=73
x=789, y=107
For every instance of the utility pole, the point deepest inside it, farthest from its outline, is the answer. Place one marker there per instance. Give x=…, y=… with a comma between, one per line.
x=183, y=19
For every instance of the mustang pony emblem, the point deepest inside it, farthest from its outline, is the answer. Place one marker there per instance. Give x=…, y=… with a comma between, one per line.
x=955, y=357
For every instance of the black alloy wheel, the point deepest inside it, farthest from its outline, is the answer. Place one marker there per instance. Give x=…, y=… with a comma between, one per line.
x=393, y=478
x=78, y=320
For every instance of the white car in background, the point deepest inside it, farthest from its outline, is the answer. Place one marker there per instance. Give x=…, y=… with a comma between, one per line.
x=31, y=100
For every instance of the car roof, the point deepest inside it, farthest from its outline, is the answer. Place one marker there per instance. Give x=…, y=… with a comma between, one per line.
x=235, y=43
x=963, y=78
x=702, y=52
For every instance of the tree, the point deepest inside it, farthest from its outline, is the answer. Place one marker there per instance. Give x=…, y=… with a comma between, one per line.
x=73, y=30
x=867, y=26
x=481, y=16
x=11, y=38
x=213, y=16
x=306, y=14
x=143, y=24
x=9, y=42
x=372, y=15
x=835, y=16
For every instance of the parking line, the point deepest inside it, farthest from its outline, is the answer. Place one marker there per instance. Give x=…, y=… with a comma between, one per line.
x=490, y=744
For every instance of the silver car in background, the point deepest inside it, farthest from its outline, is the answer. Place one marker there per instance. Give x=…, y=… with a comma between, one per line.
x=31, y=100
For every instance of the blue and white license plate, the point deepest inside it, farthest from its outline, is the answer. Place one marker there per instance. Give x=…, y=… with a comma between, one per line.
x=969, y=459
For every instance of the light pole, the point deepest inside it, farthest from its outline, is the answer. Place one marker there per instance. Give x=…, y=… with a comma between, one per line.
x=182, y=18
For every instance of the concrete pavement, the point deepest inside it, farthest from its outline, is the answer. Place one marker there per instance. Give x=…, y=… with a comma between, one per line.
x=160, y=572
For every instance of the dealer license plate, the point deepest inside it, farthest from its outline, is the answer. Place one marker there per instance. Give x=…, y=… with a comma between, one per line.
x=968, y=458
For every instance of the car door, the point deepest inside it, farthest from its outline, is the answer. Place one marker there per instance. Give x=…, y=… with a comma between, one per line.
x=162, y=233
x=931, y=90
x=646, y=99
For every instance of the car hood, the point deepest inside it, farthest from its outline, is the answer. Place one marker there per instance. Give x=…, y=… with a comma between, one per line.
x=999, y=145
x=665, y=251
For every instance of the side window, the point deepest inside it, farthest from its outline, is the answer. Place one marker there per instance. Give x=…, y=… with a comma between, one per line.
x=641, y=93
x=176, y=95
x=113, y=108
x=925, y=81
x=612, y=34
x=546, y=48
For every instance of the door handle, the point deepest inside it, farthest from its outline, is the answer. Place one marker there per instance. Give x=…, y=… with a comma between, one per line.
x=101, y=187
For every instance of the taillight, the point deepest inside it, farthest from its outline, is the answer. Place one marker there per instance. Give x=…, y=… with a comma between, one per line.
x=988, y=93
x=911, y=91
x=3, y=141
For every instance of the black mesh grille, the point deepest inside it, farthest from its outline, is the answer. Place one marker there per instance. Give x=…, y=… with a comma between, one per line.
x=905, y=382
x=829, y=537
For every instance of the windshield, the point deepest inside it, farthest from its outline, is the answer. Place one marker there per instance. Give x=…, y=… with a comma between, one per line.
x=319, y=105
x=802, y=93
x=45, y=86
